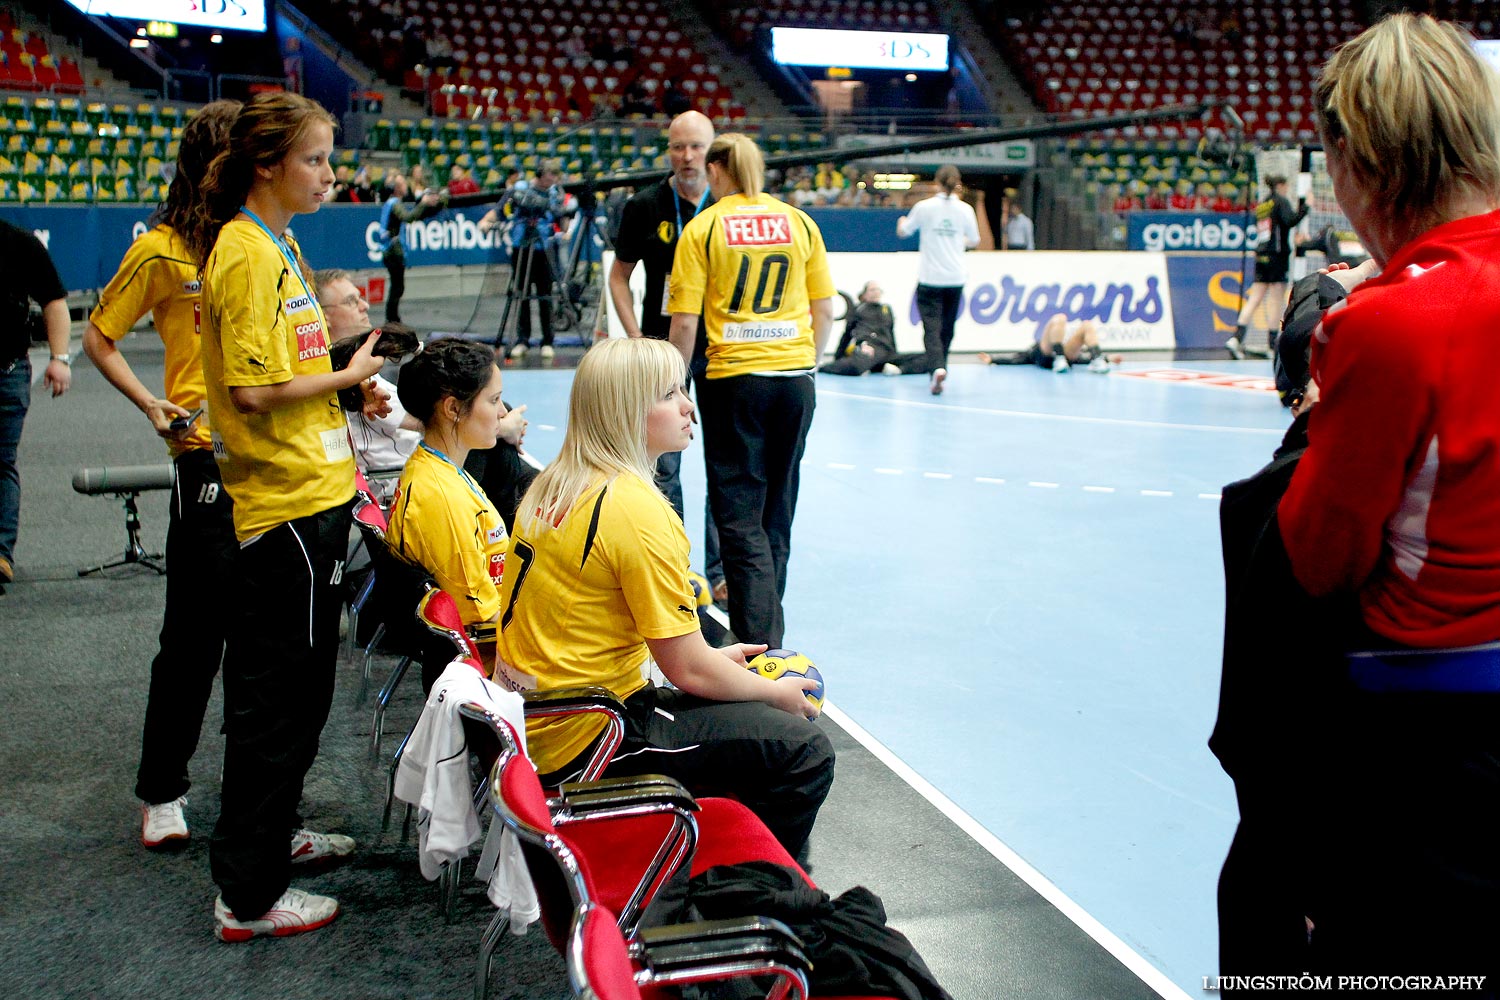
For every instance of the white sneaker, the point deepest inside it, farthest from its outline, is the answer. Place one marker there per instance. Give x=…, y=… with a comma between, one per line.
x=163, y=823
x=1100, y=365
x=547, y=352
x=889, y=370
x=296, y=912
x=1059, y=364
x=1235, y=348
x=517, y=351
x=938, y=378
x=309, y=846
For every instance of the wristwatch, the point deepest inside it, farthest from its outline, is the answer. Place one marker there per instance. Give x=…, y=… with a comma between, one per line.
x=66, y=359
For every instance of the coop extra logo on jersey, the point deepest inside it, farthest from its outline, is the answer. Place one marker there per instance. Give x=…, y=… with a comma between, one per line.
x=310, y=342
x=757, y=230
x=497, y=566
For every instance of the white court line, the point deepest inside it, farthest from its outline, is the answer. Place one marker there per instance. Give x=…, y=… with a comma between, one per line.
x=1098, y=489
x=1043, y=486
x=840, y=465
x=1106, y=939
x=937, y=475
x=1156, y=493
x=1210, y=496
x=1065, y=417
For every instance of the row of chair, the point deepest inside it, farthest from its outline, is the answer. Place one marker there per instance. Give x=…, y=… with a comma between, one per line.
x=598, y=852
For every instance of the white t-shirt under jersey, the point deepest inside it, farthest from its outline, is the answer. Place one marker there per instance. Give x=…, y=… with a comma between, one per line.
x=946, y=226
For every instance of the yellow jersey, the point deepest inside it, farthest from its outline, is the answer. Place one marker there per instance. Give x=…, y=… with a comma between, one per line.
x=262, y=326
x=442, y=521
x=580, y=599
x=158, y=275
x=752, y=266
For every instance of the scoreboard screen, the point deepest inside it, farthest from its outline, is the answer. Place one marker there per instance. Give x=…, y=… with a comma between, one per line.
x=239, y=15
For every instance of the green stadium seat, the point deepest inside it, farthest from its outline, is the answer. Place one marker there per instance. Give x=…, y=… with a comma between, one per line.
x=119, y=115
x=96, y=114
x=69, y=109
x=173, y=117
x=16, y=110
x=80, y=190
x=43, y=110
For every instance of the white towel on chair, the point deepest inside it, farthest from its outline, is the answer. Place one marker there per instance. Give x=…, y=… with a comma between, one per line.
x=433, y=775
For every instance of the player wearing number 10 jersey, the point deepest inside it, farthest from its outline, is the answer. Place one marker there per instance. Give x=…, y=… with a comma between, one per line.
x=757, y=269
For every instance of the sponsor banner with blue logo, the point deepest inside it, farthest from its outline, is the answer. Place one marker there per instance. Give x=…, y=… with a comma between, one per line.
x=1167, y=232
x=1010, y=296
x=88, y=242
x=1206, y=290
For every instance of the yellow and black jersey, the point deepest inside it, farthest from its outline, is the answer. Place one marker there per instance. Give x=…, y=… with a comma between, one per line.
x=159, y=276
x=753, y=267
x=580, y=599
x=442, y=521
x=261, y=326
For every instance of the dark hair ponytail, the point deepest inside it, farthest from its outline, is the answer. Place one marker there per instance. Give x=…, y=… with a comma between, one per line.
x=202, y=139
x=447, y=367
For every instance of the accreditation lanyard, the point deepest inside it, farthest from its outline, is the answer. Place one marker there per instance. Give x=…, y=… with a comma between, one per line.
x=468, y=479
x=677, y=207
x=285, y=251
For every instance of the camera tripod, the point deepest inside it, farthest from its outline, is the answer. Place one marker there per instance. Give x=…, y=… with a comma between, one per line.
x=557, y=309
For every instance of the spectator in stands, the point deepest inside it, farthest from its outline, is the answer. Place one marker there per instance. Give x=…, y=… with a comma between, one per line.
x=945, y=226
x=1383, y=556
x=284, y=454
x=1156, y=198
x=1182, y=199
x=765, y=336
x=1125, y=200
x=1205, y=198
x=637, y=100
x=720, y=729
x=1273, y=261
x=1229, y=199
x=650, y=224
x=869, y=339
x=393, y=216
x=1020, y=234
x=829, y=183
x=343, y=190
x=573, y=46
x=460, y=182
x=803, y=195
x=363, y=187
x=28, y=276
x=673, y=100
x=159, y=276
x=1058, y=350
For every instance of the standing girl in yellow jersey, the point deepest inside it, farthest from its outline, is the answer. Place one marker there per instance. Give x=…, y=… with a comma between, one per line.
x=283, y=448
x=597, y=580
x=159, y=275
x=757, y=269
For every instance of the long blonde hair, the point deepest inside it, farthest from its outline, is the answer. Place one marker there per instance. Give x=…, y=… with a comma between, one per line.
x=1417, y=113
x=614, y=388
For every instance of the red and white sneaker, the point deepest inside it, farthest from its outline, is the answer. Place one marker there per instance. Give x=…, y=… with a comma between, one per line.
x=164, y=824
x=309, y=846
x=296, y=912
x=938, y=378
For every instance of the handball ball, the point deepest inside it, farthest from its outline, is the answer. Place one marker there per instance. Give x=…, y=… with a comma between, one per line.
x=776, y=663
x=702, y=593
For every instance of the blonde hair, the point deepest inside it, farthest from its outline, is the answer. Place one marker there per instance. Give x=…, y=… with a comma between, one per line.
x=1415, y=114
x=614, y=388
x=742, y=161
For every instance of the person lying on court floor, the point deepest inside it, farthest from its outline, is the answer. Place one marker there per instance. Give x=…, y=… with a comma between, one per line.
x=1059, y=350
